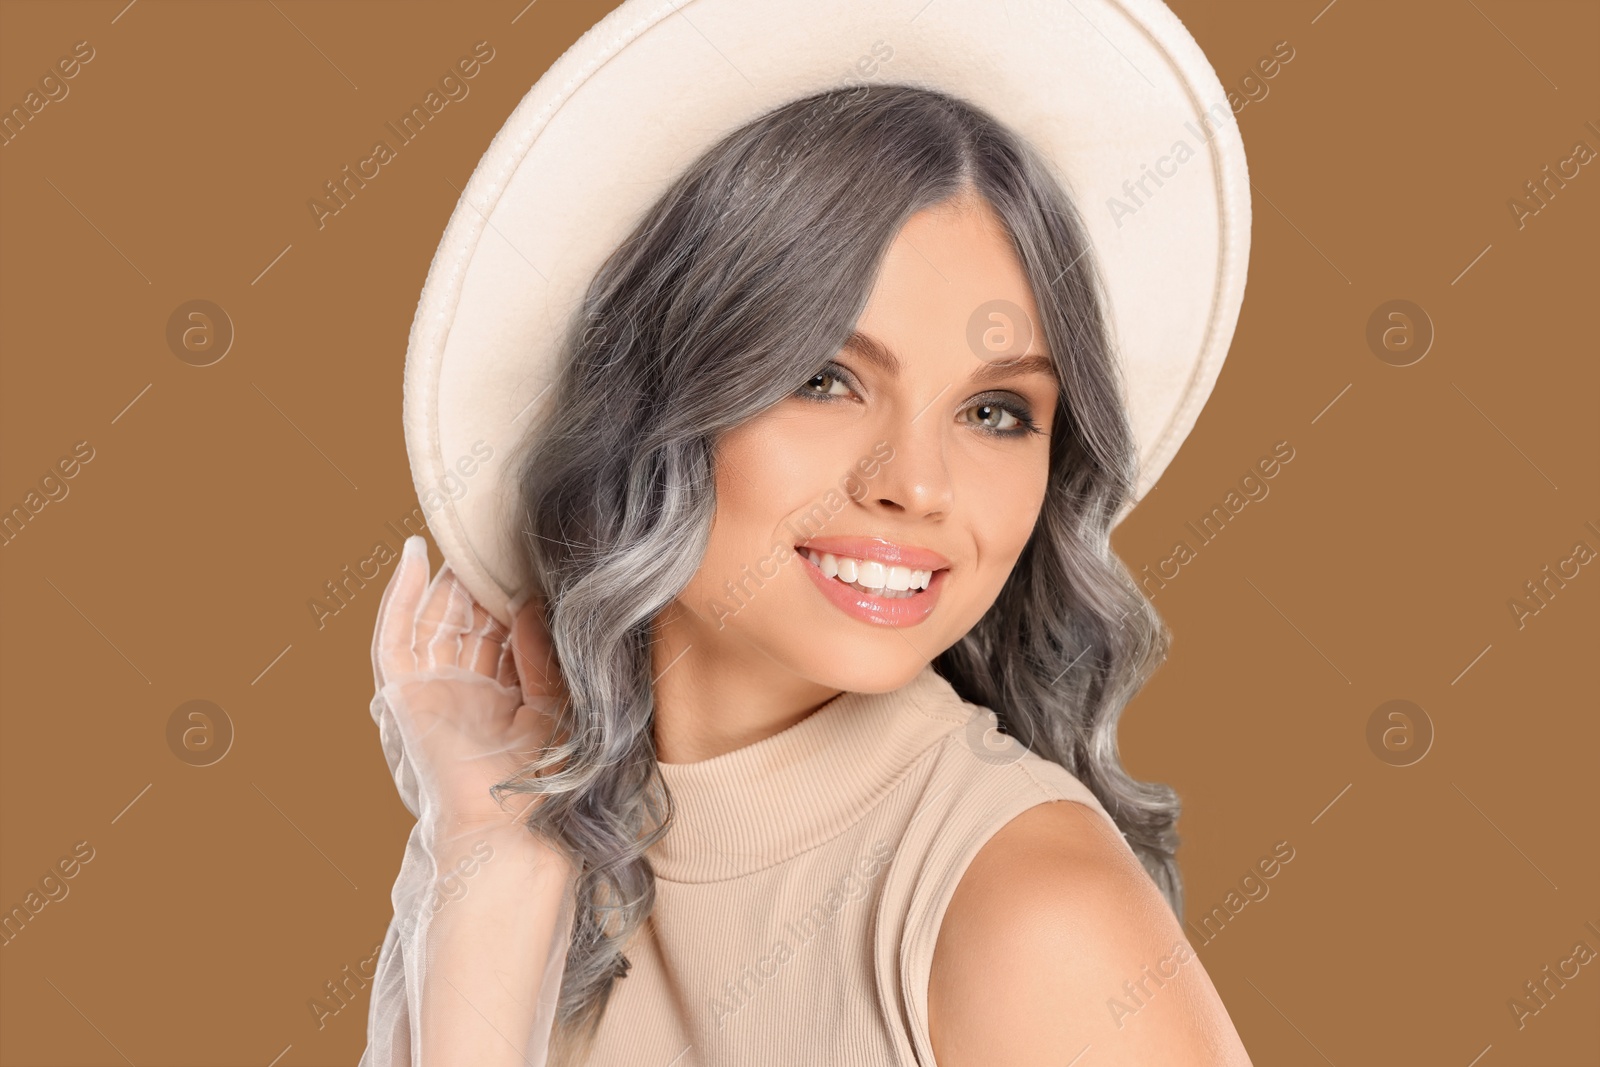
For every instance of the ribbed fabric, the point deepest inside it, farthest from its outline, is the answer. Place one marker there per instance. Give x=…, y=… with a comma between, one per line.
x=801, y=886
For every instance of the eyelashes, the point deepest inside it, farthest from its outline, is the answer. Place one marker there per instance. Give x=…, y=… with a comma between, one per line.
x=1019, y=412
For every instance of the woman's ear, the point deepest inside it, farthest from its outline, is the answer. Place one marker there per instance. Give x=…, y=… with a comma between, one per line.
x=533, y=653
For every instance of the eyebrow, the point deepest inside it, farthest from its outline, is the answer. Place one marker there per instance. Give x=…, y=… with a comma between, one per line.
x=882, y=356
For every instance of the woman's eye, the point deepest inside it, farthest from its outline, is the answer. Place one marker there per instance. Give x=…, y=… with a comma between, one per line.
x=1005, y=420
x=826, y=383
x=995, y=416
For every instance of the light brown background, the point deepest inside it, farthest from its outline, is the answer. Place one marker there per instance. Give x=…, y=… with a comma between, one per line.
x=1419, y=502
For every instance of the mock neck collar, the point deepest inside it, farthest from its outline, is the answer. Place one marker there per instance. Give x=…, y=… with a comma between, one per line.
x=761, y=804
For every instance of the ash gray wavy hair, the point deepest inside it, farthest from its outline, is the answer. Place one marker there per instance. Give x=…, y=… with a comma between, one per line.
x=734, y=289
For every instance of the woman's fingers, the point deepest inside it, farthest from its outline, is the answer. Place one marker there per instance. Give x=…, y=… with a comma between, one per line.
x=468, y=635
x=453, y=630
x=392, y=656
x=441, y=619
x=392, y=652
x=483, y=647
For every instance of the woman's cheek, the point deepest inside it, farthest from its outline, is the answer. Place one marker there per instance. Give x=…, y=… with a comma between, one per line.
x=797, y=444
x=748, y=545
x=1005, y=499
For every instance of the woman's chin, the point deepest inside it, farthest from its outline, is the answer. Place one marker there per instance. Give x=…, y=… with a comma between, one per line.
x=858, y=670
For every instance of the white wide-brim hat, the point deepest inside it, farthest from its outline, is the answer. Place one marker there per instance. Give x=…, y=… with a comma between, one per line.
x=1115, y=93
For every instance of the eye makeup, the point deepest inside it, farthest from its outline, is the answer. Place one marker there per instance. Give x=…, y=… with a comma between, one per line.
x=1005, y=402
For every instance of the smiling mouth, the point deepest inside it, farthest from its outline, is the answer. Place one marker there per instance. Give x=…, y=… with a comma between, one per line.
x=891, y=582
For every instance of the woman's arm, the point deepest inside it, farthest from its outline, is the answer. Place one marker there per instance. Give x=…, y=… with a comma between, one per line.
x=494, y=947
x=472, y=965
x=1056, y=941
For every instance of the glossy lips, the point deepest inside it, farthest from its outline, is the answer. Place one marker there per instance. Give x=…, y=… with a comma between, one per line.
x=876, y=548
x=883, y=611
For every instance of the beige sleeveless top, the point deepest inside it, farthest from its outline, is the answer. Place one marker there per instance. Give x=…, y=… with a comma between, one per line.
x=799, y=891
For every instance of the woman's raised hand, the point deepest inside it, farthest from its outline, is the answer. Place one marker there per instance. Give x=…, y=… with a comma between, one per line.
x=460, y=704
x=469, y=976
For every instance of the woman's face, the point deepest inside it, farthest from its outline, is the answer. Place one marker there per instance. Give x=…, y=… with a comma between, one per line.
x=910, y=453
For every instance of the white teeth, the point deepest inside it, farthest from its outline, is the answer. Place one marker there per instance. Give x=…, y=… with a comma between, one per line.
x=870, y=573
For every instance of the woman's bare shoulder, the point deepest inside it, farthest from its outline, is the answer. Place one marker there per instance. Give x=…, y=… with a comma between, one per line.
x=1056, y=940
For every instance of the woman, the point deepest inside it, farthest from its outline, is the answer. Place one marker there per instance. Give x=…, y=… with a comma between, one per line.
x=860, y=338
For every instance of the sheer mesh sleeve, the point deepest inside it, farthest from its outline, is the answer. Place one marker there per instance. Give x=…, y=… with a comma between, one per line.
x=471, y=966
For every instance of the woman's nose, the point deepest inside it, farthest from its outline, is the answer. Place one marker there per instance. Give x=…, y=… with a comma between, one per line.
x=916, y=479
